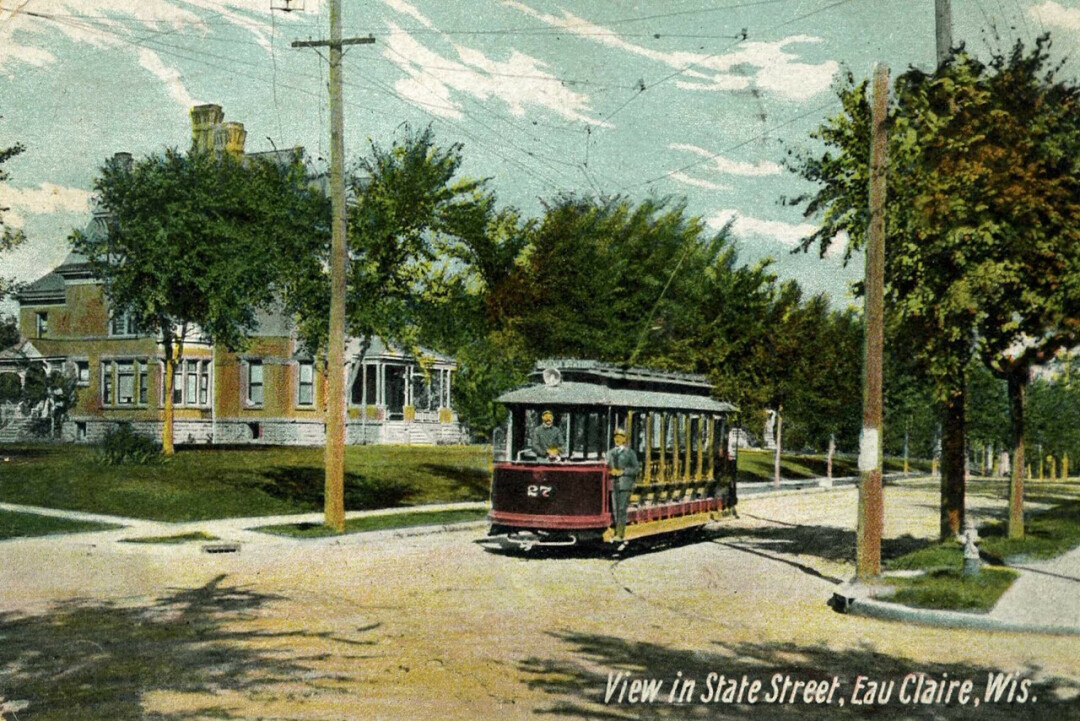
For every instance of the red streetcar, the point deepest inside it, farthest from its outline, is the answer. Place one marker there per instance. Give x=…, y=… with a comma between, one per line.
x=552, y=485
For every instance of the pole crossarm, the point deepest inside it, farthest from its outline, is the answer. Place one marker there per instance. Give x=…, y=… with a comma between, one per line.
x=330, y=43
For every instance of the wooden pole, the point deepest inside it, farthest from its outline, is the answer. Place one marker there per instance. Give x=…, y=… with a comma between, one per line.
x=334, y=501
x=943, y=28
x=871, y=504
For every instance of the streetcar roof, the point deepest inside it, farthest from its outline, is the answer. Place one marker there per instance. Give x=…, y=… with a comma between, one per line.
x=570, y=393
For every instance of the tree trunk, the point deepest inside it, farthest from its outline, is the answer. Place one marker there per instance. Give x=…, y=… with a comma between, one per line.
x=832, y=450
x=1017, y=392
x=779, y=444
x=953, y=465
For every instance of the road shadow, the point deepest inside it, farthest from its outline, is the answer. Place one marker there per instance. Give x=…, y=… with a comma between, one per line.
x=92, y=660
x=577, y=688
x=825, y=542
x=304, y=486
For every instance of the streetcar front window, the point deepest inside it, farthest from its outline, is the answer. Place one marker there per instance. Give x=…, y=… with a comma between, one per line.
x=572, y=436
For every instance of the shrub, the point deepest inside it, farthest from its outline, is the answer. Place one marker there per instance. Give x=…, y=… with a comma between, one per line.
x=122, y=444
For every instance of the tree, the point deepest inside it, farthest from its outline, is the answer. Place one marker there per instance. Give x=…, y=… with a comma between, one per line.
x=48, y=396
x=9, y=237
x=607, y=279
x=983, y=239
x=198, y=242
x=9, y=331
x=409, y=215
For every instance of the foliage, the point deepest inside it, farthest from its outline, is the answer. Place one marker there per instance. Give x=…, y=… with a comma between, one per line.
x=410, y=212
x=9, y=237
x=122, y=444
x=9, y=331
x=197, y=243
x=1052, y=416
x=984, y=247
x=47, y=397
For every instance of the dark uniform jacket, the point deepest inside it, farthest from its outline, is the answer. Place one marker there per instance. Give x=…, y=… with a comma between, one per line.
x=543, y=438
x=623, y=465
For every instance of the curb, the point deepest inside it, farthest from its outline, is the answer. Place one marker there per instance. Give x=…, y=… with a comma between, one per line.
x=851, y=603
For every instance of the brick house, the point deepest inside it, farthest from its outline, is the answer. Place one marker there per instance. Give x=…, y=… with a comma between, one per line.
x=272, y=392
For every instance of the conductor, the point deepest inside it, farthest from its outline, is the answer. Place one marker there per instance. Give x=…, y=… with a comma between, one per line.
x=623, y=468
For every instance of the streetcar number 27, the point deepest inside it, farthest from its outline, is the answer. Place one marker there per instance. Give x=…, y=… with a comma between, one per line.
x=539, y=491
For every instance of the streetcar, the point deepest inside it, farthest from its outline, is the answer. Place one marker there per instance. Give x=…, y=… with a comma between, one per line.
x=560, y=492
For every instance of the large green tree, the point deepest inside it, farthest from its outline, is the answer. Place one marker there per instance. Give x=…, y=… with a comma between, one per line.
x=410, y=213
x=197, y=243
x=982, y=253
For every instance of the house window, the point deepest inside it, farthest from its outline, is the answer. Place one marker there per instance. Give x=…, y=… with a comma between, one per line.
x=306, y=386
x=82, y=372
x=255, y=383
x=125, y=383
x=42, y=323
x=191, y=383
x=122, y=324
x=107, y=383
x=143, y=384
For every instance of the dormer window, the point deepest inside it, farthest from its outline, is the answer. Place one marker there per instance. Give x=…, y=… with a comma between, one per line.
x=42, y=324
x=122, y=324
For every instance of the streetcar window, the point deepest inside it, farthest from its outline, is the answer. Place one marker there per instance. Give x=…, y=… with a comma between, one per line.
x=587, y=432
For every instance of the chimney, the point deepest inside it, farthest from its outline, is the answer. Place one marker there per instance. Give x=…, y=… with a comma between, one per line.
x=204, y=120
x=124, y=161
x=230, y=137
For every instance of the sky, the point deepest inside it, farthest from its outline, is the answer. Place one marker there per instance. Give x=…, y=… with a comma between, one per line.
x=697, y=100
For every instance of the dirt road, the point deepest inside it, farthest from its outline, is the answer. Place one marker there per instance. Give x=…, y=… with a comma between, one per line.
x=436, y=627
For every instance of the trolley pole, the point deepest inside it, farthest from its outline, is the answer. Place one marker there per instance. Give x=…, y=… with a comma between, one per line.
x=943, y=28
x=871, y=504
x=334, y=504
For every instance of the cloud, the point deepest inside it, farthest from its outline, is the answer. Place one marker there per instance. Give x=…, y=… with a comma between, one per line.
x=130, y=25
x=46, y=198
x=697, y=182
x=745, y=227
x=777, y=72
x=432, y=79
x=726, y=166
x=168, y=75
x=1053, y=14
x=406, y=9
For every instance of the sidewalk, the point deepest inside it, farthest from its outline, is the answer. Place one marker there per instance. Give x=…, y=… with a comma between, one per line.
x=1044, y=599
x=239, y=530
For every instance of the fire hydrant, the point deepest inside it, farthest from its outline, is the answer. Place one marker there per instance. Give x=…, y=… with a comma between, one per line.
x=970, y=537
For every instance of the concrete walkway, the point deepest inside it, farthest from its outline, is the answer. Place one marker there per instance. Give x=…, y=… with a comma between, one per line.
x=239, y=530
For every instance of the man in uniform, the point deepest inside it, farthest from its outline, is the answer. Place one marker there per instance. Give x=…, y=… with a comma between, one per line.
x=623, y=468
x=546, y=440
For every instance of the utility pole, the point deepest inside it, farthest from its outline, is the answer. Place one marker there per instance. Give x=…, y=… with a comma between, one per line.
x=943, y=26
x=871, y=503
x=334, y=504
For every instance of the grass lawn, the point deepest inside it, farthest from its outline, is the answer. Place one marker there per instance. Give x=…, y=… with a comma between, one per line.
x=201, y=483
x=20, y=525
x=757, y=465
x=207, y=483
x=943, y=583
x=378, y=523
x=1048, y=533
